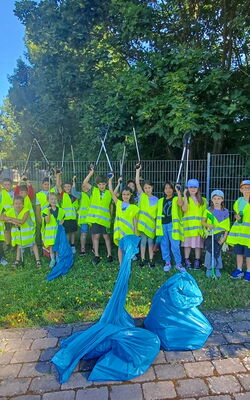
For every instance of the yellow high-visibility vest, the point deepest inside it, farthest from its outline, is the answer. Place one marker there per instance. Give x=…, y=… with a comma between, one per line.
x=83, y=208
x=192, y=219
x=240, y=231
x=49, y=230
x=25, y=234
x=69, y=208
x=176, y=212
x=124, y=224
x=99, y=212
x=147, y=216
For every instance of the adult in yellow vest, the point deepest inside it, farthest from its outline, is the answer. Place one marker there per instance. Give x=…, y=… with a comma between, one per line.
x=239, y=235
x=193, y=207
x=216, y=220
x=7, y=200
x=42, y=198
x=125, y=217
x=146, y=217
x=23, y=229
x=99, y=215
x=169, y=226
x=69, y=204
x=52, y=217
x=84, y=202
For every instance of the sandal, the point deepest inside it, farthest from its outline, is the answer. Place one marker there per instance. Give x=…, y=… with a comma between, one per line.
x=38, y=263
x=17, y=263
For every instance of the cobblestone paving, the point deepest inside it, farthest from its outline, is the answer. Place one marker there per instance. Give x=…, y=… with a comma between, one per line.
x=218, y=371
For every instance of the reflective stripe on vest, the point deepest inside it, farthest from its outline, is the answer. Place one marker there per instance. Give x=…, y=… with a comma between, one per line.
x=147, y=217
x=192, y=219
x=177, y=226
x=124, y=221
x=239, y=233
x=69, y=207
x=99, y=212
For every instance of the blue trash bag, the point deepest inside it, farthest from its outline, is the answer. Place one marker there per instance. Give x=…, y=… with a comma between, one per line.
x=133, y=351
x=108, y=336
x=65, y=258
x=174, y=315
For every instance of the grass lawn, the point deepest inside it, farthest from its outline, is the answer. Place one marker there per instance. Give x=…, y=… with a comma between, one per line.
x=27, y=299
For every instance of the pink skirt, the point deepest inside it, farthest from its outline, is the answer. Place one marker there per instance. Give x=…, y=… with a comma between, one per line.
x=194, y=242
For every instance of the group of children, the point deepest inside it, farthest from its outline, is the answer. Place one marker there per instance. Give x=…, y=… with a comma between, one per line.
x=176, y=220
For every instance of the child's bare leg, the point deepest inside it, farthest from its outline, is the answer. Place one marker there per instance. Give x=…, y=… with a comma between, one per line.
x=108, y=243
x=239, y=261
x=120, y=255
x=7, y=237
x=248, y=263
x=187, y=252
x=197, y=253
x=36, y=252
x=83, y=238
x=150, y=248
x=18, y=253
x=96, y=239
x=143, y=246
x=72, y=238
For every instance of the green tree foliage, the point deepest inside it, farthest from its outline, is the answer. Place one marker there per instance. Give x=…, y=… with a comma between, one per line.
x=175, y=66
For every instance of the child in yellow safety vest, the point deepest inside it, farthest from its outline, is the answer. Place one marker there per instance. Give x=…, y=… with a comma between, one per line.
x=69, y=204
x=7, y=201
x=3, y=260
x=239, y=235
x=84, y=202
x=125, y=217
x=193, y=207
x=146, y=217
x=99, y=215
x=216, y=220
x=42, y=198
x=52, y=217
x=23, y=229
x=169, y=226
x=23, y=192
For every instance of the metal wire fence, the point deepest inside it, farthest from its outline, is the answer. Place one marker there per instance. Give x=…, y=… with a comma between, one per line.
x=217, y=171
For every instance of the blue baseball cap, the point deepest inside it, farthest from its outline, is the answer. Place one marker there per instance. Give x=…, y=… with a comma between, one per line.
x=217, y=193
x=193, y=183
x=245, y=182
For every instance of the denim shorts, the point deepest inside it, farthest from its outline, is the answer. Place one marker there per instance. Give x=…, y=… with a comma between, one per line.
x=242, y=250
x=84, y=228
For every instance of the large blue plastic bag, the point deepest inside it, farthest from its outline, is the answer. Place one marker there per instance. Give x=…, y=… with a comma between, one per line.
x=65, y=258
x=114, y=326
x=133, y=350
x=174, y=315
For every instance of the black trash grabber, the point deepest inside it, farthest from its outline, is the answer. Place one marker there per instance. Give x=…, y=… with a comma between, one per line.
x=185, y=153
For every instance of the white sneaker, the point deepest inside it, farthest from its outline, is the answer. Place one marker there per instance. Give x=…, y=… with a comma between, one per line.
x=52, y=263
x=73, y=249
x=180, y=268
x=3, y=261
x=167, y=267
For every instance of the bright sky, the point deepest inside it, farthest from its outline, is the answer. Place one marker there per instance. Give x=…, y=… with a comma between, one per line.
x=11, y=44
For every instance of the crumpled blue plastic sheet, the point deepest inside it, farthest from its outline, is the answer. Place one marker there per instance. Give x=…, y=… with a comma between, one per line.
x=65, y=258
x=123, y=351
x=174, y=315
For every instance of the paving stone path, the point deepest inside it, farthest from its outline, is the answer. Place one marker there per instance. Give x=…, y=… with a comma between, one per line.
x=218, y=371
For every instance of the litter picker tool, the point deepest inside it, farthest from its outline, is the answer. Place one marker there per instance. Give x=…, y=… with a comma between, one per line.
x=122, y=164
x=108, y=159
x=102, y=148
x=185, y=153
x=211, y=217
x=136, y=144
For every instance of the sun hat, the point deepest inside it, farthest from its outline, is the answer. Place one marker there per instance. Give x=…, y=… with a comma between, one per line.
x=193, y=183
x=217, y=192
x=245, y=182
